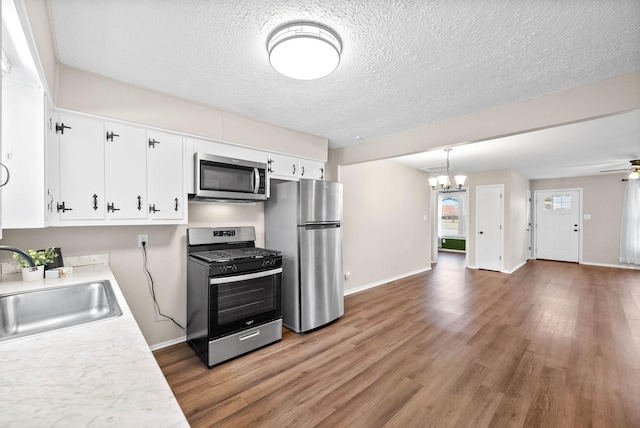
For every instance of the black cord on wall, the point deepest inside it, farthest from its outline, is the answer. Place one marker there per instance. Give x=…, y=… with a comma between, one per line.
x=153, y=292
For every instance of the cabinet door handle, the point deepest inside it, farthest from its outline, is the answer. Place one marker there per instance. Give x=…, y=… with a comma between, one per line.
x=6, y=180
x=61, y=207
x=269, y=162
x=302, y=170
x=176, y=205
x=321, y=173
x=112, y=207
x=139, y=202
x=60, y=127
x=110, y=135
x=95, y=202
x=294, y=168
x=152, y=209
x=153, y=142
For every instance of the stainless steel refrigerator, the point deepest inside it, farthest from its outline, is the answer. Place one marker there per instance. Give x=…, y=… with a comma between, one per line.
x=303, y=220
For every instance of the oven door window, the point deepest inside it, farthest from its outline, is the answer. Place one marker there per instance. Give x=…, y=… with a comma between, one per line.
x=243, y=300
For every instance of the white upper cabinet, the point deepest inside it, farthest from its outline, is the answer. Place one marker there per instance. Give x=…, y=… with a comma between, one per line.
x=113, y=173
x=291, y=168
x=23, y=154
x=284, y=167
x=311, y=169
x=82, y=168
x=167, y=197
x=127, y=171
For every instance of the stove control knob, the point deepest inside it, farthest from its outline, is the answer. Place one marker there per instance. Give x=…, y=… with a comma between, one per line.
x=223, y=269
x=234, y=268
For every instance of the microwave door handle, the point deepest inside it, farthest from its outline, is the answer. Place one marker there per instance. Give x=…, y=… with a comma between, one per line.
x=256, y=180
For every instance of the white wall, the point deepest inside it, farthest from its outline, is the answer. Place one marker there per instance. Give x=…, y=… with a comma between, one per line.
x=166, y=258
x=387, y=222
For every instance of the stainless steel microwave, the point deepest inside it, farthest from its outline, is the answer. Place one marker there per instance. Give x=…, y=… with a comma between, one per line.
x=219, y=178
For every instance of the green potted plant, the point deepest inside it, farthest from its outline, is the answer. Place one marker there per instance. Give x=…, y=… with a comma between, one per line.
x=40, y=258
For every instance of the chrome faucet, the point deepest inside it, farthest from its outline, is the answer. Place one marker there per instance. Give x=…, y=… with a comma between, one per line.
x=32, y=264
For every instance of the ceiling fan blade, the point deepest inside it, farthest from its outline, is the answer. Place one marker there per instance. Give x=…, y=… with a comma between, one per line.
x=616, y=170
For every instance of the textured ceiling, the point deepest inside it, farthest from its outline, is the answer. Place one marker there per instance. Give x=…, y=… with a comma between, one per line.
x=404, y=64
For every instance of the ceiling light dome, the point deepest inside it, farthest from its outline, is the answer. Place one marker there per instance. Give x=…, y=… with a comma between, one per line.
x=304, y=50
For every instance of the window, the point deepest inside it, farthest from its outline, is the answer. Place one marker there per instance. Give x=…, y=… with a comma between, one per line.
x=451, y=214
x=562, y=202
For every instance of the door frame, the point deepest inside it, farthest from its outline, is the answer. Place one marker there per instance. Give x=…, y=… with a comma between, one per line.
x=580, y=219
x=477, y=245
x=434, y=224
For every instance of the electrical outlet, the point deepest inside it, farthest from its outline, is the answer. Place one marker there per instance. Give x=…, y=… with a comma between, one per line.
x=143, y=238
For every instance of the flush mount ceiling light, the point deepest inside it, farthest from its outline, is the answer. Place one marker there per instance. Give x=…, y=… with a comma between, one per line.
x=443, y=182
x=304, y=50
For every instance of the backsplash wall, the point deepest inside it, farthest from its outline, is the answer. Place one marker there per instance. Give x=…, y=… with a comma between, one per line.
x=166, y=256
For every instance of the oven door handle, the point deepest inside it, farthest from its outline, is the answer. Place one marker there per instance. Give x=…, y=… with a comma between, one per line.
x=255, y=275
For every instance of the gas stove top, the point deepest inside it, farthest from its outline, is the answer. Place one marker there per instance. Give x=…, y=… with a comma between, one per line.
x=234, y=254
x=230, y=251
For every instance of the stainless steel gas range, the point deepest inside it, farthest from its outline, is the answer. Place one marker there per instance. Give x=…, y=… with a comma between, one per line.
x=233, y=293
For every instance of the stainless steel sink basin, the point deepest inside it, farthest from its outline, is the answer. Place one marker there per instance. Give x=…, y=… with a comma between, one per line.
x=39, y=311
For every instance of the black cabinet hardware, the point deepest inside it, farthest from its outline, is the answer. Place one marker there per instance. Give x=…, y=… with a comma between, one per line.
x=176, y=209
x=95, y=202
x=61, y=207
x=110, y=135
x=60, y=127
x=153, y=142
x=112, y=207
x=152, y=209
x=139, y=202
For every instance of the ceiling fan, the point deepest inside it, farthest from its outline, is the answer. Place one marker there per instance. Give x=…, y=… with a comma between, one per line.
x=635, y=169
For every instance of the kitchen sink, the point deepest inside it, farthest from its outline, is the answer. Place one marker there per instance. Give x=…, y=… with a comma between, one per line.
x=39, y=311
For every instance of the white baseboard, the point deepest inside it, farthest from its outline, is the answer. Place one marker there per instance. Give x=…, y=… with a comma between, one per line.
x=515, y=268
x=384, y=281
x=168, y=343
x=625, y=266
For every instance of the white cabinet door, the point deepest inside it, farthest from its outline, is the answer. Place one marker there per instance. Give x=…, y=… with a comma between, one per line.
x=127, y=171
x=23, y=153
x=311, y=169
x=165, y=177
x=82, y=178
x=285, y=167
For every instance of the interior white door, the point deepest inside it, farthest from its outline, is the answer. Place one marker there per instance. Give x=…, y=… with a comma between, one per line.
x=558, y=225
x=489, y=217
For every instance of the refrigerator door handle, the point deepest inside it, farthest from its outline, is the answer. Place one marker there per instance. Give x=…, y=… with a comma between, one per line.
x=313, y=226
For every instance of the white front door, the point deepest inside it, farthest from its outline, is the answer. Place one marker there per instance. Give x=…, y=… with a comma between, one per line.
x=558, y=225
x=489, y=215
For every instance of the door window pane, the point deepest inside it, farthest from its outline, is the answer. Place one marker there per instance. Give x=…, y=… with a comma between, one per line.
x=560, y=202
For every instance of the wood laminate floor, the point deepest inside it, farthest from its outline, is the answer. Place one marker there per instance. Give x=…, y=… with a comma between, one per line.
x=553, y=344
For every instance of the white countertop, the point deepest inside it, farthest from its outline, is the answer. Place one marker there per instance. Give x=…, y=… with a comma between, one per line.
x=98, y=374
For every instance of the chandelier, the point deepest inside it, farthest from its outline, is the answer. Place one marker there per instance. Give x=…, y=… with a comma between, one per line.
x=443, y=182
